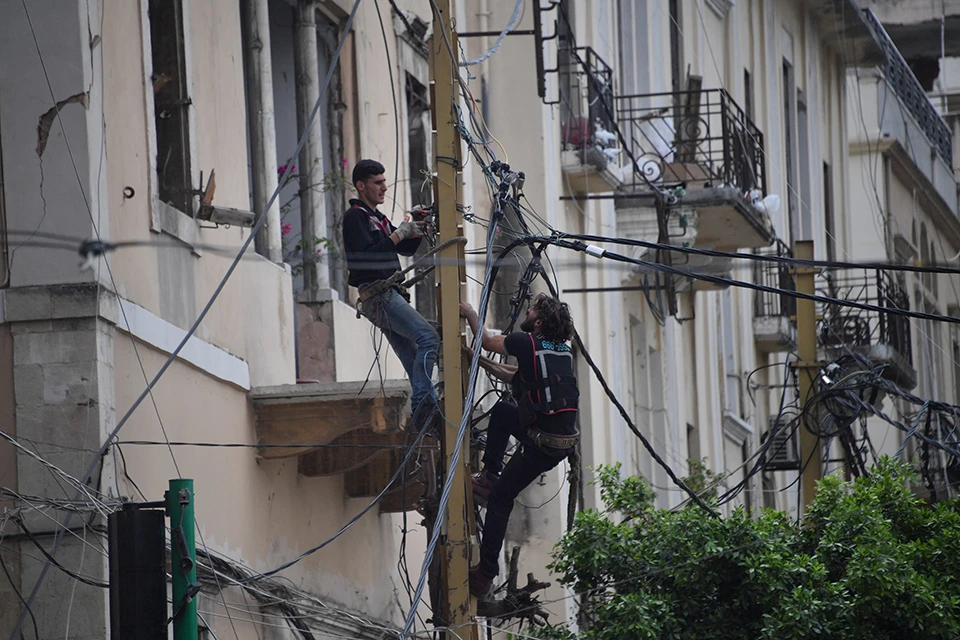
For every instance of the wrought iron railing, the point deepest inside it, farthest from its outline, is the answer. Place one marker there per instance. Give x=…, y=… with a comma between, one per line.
x=907, y=87
x=776, y=275
x=586, y=101
x=846, y=326
x=700, y=136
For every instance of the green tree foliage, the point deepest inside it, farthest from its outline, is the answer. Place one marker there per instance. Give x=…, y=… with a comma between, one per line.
x=871, y=562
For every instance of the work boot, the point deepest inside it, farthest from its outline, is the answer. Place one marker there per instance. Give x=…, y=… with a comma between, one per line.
x=482, y=486
x=480, y=583
x=427, y=417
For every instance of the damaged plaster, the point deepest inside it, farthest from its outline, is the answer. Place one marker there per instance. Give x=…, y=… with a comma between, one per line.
x=46, y=120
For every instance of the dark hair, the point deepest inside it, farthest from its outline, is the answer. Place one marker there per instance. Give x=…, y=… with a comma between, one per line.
x=366, y=169
x=554, y=317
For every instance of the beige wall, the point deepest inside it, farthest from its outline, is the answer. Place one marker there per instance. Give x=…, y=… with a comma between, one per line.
x=259, y=512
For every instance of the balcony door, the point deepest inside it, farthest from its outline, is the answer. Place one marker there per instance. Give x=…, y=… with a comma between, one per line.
x=634, y=50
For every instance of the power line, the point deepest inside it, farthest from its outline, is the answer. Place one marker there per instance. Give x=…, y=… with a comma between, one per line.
x=755, y=257
x=597, y=252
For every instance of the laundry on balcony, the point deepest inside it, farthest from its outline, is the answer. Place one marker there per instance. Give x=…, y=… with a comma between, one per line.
x=591, y=154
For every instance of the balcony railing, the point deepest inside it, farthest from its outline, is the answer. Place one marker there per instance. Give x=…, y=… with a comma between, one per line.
x=907, y=87
x=777, y=275
x=586, y=100
x=700, y=136
x=846, y=326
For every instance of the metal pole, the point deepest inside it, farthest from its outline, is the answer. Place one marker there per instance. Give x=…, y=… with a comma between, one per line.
x=183, y=559
x=263, y=135
x=811, y=469
x=313, y=220
x=459, y=606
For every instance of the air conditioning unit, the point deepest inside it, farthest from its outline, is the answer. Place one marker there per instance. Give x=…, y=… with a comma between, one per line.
x=783, y=454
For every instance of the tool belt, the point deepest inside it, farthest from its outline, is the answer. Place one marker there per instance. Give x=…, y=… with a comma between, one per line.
x=552, y=441
x=373, y=289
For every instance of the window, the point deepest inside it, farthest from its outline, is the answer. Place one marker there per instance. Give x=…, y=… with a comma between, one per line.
x=805, y=227
x=634, y=75
x=693, y=443
x=4, y=247
x=171, y=104
x=748, y=94
x=790, y=147
x=418, y=127
x=956, y=371
x=828, y=220
x=731, y=377
x=676, y=35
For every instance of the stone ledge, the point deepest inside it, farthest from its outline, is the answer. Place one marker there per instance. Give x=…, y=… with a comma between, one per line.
x=60, y=302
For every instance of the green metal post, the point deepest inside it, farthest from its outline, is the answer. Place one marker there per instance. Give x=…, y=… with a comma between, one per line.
x=183, y=555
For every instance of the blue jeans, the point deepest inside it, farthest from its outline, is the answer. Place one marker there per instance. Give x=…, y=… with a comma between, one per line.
x=415, y=342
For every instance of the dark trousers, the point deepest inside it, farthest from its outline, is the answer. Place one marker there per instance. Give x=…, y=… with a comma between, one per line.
x=524, y=467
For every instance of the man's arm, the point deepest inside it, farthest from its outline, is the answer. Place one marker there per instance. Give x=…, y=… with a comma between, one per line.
x=359, y=239
x=498, y=370
x=489, y=342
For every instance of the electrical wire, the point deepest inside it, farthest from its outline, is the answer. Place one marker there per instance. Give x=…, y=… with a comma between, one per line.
x=718, y=280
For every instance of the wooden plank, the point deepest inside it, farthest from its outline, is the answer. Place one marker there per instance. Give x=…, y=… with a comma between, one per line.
x=295, y=419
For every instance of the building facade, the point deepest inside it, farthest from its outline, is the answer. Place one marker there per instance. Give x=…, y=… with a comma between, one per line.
x=164, y=128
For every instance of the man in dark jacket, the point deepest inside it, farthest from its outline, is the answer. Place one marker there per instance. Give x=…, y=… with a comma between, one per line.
x=544, y=420
x=372, y=247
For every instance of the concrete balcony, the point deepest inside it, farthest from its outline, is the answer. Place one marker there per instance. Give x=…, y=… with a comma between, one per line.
x=774, y=323
x=346, y=428
x=588, y=171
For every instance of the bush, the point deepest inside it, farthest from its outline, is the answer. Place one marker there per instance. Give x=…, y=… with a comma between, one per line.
x=871, y=562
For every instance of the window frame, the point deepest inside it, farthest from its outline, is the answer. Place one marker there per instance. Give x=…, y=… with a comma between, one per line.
x=165, y=218
x=4, y=238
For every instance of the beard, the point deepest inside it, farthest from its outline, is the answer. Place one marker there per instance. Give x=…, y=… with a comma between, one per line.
x=528, y=324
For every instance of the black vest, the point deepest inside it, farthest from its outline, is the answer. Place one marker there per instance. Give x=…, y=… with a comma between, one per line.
x=554, y=387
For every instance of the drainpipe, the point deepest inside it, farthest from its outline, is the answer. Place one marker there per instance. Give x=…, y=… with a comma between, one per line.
x=313, y=219
x=263, y=133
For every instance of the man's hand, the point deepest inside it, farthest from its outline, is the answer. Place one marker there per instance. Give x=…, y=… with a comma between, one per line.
x=409, y=229
x=466, y=311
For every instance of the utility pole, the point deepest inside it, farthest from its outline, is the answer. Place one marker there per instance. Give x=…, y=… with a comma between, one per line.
x=811, y=469
x=458, y=608
x=183, y=559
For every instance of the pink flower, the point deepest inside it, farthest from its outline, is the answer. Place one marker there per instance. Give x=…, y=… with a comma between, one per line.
x=282, y=169
x=344, y=163
x=285, y=229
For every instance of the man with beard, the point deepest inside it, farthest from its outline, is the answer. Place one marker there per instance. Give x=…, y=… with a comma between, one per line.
x=544, y=420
